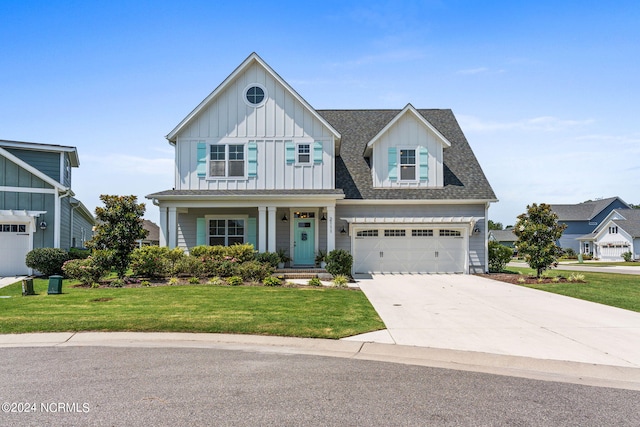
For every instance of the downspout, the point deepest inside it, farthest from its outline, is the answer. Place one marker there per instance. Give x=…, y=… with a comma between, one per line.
x=73, y=208
x=486, y=237
x=58, y=216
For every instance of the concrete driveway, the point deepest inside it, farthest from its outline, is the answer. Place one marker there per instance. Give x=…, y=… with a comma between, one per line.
x=470, y=313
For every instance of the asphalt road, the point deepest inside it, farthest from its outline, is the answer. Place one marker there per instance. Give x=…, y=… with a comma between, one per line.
x=103, y=386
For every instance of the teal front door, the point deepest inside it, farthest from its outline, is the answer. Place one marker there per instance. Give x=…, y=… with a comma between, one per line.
x=304, y=235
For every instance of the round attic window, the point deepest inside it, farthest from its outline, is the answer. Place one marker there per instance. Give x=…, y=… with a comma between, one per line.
x=255, y=95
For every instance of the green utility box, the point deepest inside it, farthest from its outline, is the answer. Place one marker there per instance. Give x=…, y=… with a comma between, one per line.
x=55, y=285
x=27, y=287
x=580, y=259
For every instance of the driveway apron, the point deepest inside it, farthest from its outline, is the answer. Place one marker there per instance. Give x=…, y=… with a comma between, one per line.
x=471, y=313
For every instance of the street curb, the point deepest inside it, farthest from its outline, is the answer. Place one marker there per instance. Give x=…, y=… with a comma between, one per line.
x=514, y=366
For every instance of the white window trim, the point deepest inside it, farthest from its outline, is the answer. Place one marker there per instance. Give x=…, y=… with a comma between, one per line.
x=260, y=104
x=245, y=218
x=310, y=154
x=416, y=164
x=244, y=143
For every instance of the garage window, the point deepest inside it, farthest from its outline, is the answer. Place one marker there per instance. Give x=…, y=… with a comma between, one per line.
x=394, y=233
x=367, y=233
x=422, y=233
x=13, y=228
x=450, y=233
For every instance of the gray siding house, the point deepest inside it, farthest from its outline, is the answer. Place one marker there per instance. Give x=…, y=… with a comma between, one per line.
x=401, y=190
x=583, y=218
x=618, y=233
x=37, y=205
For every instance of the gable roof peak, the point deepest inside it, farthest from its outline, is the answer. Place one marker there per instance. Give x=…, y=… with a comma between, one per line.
x=251, y=59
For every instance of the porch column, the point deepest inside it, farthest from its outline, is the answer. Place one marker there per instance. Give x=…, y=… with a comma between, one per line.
x=271, y=247
x=331, y=234
x=163, y=226
x=262, y=228
x=173, y=227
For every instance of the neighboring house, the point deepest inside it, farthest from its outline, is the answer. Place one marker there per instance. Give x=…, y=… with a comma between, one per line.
x=37, y=207
x=504, y=237
x=153, y=237
x=583, y=218
x=619, y=232
x=401, y=190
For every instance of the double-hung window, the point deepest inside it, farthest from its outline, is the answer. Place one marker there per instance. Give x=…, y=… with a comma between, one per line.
x=407, y=165
x=304, y=153
x=226, y=232
x=227, y=160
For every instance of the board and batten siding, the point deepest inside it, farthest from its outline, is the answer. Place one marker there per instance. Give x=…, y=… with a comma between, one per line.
x=477, y=242
x=281, y=119
x=409, y=133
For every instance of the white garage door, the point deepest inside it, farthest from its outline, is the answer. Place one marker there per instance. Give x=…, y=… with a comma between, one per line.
x=409, y=250
x=14, y=245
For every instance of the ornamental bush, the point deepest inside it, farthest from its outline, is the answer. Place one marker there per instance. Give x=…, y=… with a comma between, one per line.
x=271, y=258
x=254, y=271
x=627, y=256
x=88, y=271
x=499, y=256
x=339, y=262
x=47, y=261
x=150, y=261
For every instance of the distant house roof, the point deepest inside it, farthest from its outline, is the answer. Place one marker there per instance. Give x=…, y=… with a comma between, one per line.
x=631, y=221
x=463, y=176
x=503, y=235
x=582, y=211
x=154, y=231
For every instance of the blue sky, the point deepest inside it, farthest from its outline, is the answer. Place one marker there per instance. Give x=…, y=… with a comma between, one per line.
x=546, y=92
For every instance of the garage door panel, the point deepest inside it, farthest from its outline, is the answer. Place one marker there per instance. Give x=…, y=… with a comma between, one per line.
x=14, y=246
x=423, y=252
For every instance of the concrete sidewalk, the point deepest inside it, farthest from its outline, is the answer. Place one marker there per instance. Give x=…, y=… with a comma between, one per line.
x=470, y=313
x=523, y=367
x=6, y=281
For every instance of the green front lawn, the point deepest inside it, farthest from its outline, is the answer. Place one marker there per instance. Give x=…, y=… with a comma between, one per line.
x=300, y=312
x=616, y=290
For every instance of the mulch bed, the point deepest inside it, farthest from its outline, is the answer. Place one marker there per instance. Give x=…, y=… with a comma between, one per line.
x=516, y=279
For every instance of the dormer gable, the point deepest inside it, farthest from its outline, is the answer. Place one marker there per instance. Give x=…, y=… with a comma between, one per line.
x=407, y=152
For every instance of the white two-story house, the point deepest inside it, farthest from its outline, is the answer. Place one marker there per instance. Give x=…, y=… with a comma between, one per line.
x=401, y=190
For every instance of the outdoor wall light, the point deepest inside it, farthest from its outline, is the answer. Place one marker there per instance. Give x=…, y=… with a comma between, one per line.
x=343, y=231
x=43, y=225
x=323, y=218
x=284, y=218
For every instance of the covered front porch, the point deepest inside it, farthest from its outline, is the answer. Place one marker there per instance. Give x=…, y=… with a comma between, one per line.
x=300, y=224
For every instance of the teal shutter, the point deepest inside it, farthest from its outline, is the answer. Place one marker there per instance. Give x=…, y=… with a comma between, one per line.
x=424, y=163
x=253, y=159
x=290, y=152
x=393, y=164
x=251, y=232
x=317, y=152
x=201, y=231
x=202, y=159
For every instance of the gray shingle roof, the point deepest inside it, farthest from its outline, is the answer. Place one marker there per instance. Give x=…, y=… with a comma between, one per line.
x=463, y=176
x=504, y=235
x=582, y=211
x=631, y=223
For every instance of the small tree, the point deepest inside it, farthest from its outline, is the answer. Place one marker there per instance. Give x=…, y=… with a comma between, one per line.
x=537, y=231
x=119, y=227
x=495, y=225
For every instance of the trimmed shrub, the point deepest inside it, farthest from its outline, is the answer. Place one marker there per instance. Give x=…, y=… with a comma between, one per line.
x=271, y=281
x=340, y=281
x=150, y=261
x=339, y=262
x=47, y=261
x=215, y=252
x=241, y=253
x=78, y=253
x=627, y=256
x=254, y=271
x=87, y=271
x=499, y=256
x=271, y=258
x=189, y=266
x=235, y=281
x=314, y=282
